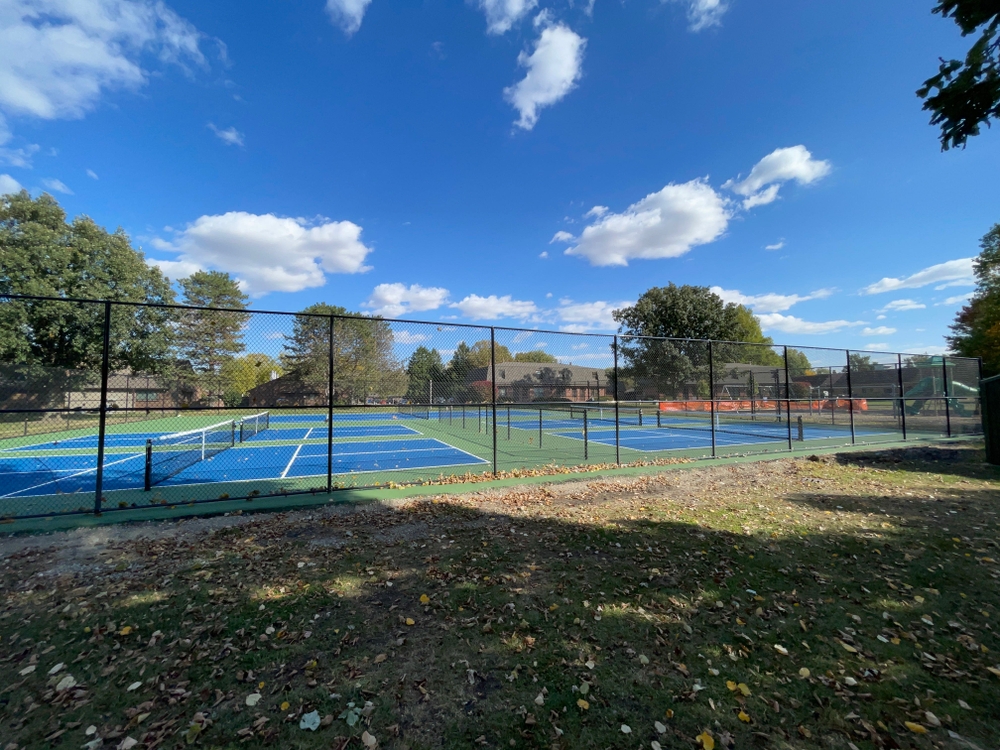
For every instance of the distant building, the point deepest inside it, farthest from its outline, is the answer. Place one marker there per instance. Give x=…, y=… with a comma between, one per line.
x=523, y=382
x=286, y=390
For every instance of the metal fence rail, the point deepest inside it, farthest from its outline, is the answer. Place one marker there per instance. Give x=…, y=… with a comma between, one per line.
x=107, y=404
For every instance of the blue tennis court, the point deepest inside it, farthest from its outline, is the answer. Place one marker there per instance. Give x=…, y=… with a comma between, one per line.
x=26, y=475
x=339, y=431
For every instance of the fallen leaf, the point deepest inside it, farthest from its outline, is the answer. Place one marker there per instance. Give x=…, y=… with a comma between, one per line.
x=781, y=650
x=706, y=740
x=368, y=740
x=931, y=719
x=55, y=669
x=424, y=599
x=660, y=728
x=655, y=745
x=28, y=670
x=914, y=727
x=804, y=672
x=285, y=705
x=410, y=621
x=540, y=700
x=643, y=659
x=743, y=688
x=963, y=704
x=126, y=630
x=310, y=721
x=380, y=658
x=582, y=704
x=626, y=729
x=848, y=648
x=66, y=683
x=134, y=686
x=253, y=699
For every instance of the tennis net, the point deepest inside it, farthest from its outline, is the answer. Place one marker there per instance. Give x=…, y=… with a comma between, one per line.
x=169, y=455
x=761, y=424
x=254, y=425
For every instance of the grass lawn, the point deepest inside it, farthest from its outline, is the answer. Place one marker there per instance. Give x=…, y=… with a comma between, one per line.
x=849, y=601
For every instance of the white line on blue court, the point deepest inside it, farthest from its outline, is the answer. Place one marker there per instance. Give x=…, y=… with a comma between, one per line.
x=78, y=474
x=292, y=461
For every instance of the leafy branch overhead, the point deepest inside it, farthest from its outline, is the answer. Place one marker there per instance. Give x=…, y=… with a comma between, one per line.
x=965, y=94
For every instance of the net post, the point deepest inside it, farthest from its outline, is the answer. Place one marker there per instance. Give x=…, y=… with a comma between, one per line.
x=103, y=414
x=147, y=483
x=788, y=402
x=902, y=399
x=329, y=410
x=539, y=427
x=947, y=406
x=586, y=457
x=802, y=432
x=711, y=392
x=493, y=391
x=618, y=448
x=508, y=421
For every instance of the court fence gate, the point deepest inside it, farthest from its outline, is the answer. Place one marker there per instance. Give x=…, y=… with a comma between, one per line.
x=108, y=405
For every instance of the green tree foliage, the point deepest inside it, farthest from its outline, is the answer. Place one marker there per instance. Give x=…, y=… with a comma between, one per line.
x=364, y=364
x=976, y=330
x=40, y=341
x=240, y=374
x=861, y=363
x=965, y=95
x=424, y=368
x=536, y=356
x=479, y=354
x=678, y=368
x=209, y=338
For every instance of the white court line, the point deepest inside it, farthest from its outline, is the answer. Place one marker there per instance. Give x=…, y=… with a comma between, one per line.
x=444, y=447
x=294, y=456
x=307, y=434
x=78, y=474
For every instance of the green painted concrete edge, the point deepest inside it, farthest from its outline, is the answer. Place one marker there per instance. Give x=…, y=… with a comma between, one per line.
x=357, y=496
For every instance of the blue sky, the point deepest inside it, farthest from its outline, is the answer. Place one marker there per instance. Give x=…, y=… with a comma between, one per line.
x=514, y=162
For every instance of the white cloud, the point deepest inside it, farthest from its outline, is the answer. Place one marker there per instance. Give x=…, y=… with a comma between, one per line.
x=501, y=15
x=791, y=324
x=57, y=186
x=58, y=56
x=664, y=224
x=955, y=271
x=553, y=70
x=876, y=347
x=596, y=212
x=406, y=337
x=703, y=14
x=899, y=305
x=8, y=184
x=230, y=136
x=582, y=317
x=770, y=302
x=393, y=300
x=543, y=254
x=494, y=307
x=562, y=236
x=958, y=299
x=347, y=14
x=16, y=157
x=92, y=174
x=877, y=331
x=781, y=165
x=776, y=246
x=265, y=252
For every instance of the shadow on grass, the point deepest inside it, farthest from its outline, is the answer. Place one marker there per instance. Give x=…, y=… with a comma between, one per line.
x=467, y=628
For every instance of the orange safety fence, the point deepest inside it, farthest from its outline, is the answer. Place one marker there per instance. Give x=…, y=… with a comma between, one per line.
x=860, y=404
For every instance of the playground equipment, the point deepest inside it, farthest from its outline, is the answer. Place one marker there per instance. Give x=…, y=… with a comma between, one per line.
x=927, y=388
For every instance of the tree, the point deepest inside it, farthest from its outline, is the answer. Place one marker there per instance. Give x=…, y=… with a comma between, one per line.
x=363, y=360
x=966, y=94
x=976, y=330
x=480, y=354
x=536, y=356
x=41, y=340
x=424, y=368
x=239, y=374
x=208, y=338
x=861, y=363
x=685, y=315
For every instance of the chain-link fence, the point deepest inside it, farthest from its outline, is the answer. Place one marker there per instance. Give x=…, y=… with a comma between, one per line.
x=108, y=405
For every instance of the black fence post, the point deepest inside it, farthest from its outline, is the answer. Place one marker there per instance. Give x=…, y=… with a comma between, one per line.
x=850, y=394
x=585, y=450
x=902, y=400
x=711, y=392
x=947, y=406
x=329, y=412
x=102, y=418
x=618, y=445
x=493, y=391
x=788, y=401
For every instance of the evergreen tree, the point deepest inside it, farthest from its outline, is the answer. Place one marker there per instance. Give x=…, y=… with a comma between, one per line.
x=425, y=372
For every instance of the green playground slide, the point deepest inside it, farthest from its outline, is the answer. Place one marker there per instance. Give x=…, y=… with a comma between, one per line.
x=928, y=387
